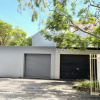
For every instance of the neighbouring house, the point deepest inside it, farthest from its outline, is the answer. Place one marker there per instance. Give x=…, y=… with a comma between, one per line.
x=83, y=34
x=39, y=40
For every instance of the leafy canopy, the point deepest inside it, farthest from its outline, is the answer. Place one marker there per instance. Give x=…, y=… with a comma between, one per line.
x=61, y=19
x=13, y=37
x=63, y=15
x=6, y=32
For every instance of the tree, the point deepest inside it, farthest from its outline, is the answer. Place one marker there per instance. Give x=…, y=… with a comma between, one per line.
x=62, y=17
x=38, y=6
x=78, y=7
x=18, y=38
x=35, y=6
x=6, y=31
x=83, y=15
x=13, y=37
x=29, y=41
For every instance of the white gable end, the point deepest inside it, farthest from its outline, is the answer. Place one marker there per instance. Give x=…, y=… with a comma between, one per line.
x=39, y=40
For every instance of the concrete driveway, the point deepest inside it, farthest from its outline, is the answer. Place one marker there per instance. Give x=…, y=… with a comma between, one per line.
x=35, y=89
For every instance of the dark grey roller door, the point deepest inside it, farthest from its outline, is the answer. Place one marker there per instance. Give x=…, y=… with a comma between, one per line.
x=74, y=66
x=37, y=65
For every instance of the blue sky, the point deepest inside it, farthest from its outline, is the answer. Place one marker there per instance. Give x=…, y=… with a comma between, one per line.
x=9, y=14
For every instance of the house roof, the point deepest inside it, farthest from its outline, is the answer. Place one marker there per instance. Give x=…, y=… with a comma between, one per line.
x=82, y=26
x=89, y=26
x=51, y=32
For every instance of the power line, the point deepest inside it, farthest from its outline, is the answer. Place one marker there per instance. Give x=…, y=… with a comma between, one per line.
x=22, y=26
x=13, y=18
x=5, y=15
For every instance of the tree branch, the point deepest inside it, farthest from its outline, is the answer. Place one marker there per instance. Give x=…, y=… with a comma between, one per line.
x=77, y=27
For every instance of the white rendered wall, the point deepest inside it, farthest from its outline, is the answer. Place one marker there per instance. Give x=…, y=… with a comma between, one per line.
x=67, y=51
x=39, y=40
x=12, y=59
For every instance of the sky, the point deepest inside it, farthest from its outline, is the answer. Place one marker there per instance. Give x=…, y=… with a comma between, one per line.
x=9, y=14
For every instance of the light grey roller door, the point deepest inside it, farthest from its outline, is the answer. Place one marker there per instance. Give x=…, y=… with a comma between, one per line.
x=37, y=65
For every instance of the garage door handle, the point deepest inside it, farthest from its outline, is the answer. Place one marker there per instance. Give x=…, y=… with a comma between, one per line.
x=77, y=69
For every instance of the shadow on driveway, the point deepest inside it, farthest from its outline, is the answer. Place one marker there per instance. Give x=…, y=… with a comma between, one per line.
x=37, y=89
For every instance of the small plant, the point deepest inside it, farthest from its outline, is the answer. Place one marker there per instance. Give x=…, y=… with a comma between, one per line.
x=85, y=85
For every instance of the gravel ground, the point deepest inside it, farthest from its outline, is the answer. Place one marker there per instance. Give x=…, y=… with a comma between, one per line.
x=37, y=89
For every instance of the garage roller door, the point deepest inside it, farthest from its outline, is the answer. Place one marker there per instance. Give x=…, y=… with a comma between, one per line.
x=37, y=65
x=74, y=66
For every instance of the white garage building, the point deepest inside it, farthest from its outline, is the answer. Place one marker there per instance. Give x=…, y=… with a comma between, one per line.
x=44, y=62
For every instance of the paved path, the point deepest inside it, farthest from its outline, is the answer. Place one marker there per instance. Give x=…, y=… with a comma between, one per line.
x=35, y=89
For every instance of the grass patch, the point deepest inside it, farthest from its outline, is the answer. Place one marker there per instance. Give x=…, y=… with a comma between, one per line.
x=85, y=85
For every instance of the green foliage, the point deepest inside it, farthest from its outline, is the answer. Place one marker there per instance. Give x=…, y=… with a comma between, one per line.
x=33, y=5
x=67, y=40
x=45, y=4
x=18, y=37
x=46, y=34
x=83, y=21
x=62, y=18
x=6, y=31
x=86, y=1
x=83, y=9
x=55, y=2
x=73, y=6
x=29, y=41
x=13, y=37
x=95, y=41
x=35, y=16
x=86, y=83
x=20, y=1
x=58, y=19
x=38, y=6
